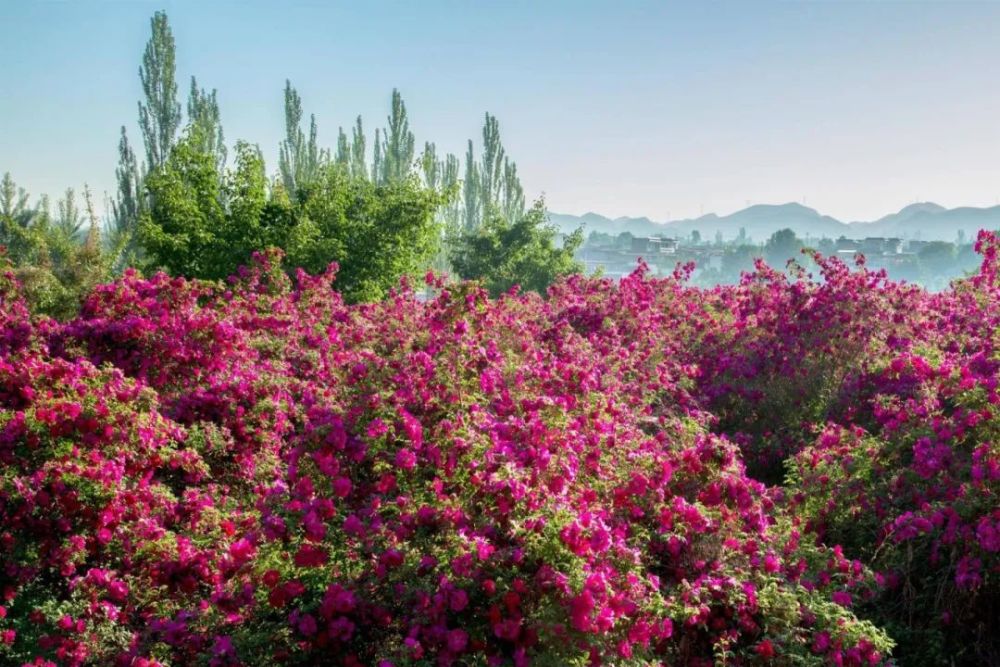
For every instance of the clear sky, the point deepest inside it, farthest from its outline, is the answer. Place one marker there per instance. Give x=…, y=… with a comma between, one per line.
x=623, y=108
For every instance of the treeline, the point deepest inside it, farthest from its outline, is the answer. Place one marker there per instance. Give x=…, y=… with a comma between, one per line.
x=189, y=203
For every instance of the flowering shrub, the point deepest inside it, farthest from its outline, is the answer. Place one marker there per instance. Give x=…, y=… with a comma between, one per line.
x=258, y=473
x=916, y=492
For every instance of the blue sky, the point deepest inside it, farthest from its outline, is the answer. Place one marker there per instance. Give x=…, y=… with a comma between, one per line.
x=624, y=108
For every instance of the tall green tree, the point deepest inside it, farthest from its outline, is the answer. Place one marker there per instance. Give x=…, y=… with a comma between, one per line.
x=69, y=221
x=129, y=201
x=377, y=158
x=451, y=212
x=14, y=206
x=398, y=144
x=491, y=169
x=512, y=202
x=203, y=115
x=204, y=225
x=430, y=166
x=160, y=114
x=359, y=168
x=342, y=157
x=470, y=192
x=199, y=228
x=299, y=157
x=492, y=185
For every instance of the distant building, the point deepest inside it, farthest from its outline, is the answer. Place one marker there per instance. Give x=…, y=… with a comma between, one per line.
x=873, y=245
x=644, y=244
x=653, y=245
x=846, y=244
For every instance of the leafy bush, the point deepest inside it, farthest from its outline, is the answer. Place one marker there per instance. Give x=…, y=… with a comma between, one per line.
x=262, y=474
x=505, y=252
x=258, y=472
x=203, y=224
x=915, y=494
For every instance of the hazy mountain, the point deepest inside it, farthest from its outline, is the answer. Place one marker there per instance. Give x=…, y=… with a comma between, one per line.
x=595, y=222
x=927, y=221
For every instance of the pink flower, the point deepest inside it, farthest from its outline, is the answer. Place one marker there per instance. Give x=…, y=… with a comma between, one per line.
x=341, y=487
x=406, y=459
x=311, y=556
x=457, y=640
x=307, y=625
x=458, y=600
x=765, y=649
x=842, y=598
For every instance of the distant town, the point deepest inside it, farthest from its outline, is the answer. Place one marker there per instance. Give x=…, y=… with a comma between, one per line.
x=932, y=264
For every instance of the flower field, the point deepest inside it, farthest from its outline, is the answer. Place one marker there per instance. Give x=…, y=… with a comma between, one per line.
x=795, y=470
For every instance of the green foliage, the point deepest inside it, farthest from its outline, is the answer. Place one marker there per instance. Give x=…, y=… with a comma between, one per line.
x=160, y=115
x=523, y=252
x=181, y=211
x=492, y=186
x=199, y=228
x=181, y=230
x=376, y=233
x=470, y=191
x=781, y=247
x=203, y=225
x=397, y=150
x=299, y=158
x=129, y=202
x=56, y=268
x=203, y=114
x=70, y=220
x=359, y=168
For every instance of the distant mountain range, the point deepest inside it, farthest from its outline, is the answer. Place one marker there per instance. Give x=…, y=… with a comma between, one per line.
x=926, y=221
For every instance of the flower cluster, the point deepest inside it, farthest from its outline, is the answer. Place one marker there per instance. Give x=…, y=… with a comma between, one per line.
x=257, y=473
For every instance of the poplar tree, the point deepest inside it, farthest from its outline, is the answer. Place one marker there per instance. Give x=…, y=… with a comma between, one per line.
x=14, y=206
x=203, y=116
x=451, y=215
x=491, y=169
x=129, y=201
x=160, y=115
x=343, y=155
x=299, y=158
x=69, y=220
x=470, y=191
x=359, y=168
x=512, y=204
x=397, y=144
x=377, y=159
x=431, y=166
x=492, y=186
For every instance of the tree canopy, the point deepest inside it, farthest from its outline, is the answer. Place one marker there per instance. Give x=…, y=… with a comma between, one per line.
x=524, y=251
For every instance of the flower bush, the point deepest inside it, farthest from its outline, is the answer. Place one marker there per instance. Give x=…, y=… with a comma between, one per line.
x=257, y=473
x=913, y=487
